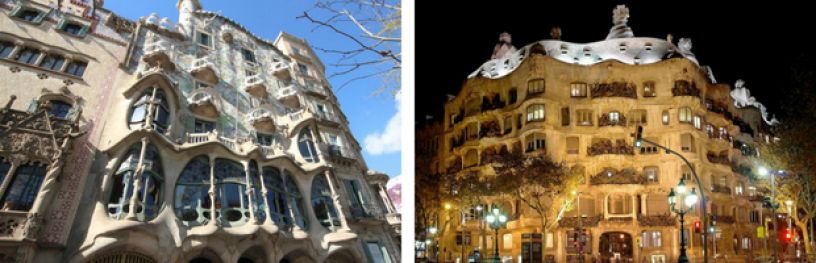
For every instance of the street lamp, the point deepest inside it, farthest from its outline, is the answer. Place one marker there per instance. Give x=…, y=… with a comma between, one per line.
x=762, y=171
x=496, y=220
x=689, y=200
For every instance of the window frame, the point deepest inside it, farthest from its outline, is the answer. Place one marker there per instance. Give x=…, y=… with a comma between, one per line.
x=536, y=112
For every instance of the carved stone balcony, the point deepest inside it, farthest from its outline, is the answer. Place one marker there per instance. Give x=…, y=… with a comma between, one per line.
x=281, y=70
x=204, y=68
x=490, y=129
x=340, y=154
x=720, y=189
x=159, y=54
x=273, y=150
x=328, y=119
x=18, y=225
x=256, y=86
x=721, y=158
x=614, y=89
x=605, y=146
x=572, y=222
x=657, y=220
x=300, y=115
x=604, y=120
x=685, y=88
x=625, y=176
x=203, y=102
x=289, y=96
x=263, y=119
x=366, y=213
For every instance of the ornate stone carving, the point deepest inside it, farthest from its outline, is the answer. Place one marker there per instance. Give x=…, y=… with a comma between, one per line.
x=614, y=89
x=14, y=69
x=657, y=220
x=42, y=76
x=726, y=219
x=611, y=176
x=685, y=88
x=605, y=146
x=591, y=221
x=604, y=120
x=32, y=228
x=121, y=25
x=720, y=189
x=490, y=129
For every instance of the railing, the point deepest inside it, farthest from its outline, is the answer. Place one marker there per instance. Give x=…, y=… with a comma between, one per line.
x=625, y=176
x=203, y=62
x=253, y=81
x=281, y=70
x=721, y=158
x=720, y=189
x=297, y=116
x=656, y=220
x=591, y=221
x=604, y=120
x=341, y=151
x=605, y=146
x=366, y=211
x=157, y=47
x=229, y=142
x=287, y=91
x=13, y=224
x=200, y=137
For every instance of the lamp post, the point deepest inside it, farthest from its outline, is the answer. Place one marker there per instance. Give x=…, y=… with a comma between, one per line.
x=763, y=172
x=496, y=220
x=638, y=143
x=689, y=200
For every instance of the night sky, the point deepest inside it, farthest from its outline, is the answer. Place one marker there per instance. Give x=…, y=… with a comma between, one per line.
x=755, y=42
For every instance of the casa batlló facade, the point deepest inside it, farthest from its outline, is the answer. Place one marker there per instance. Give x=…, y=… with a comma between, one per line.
x=579, y=103
x=196, y=141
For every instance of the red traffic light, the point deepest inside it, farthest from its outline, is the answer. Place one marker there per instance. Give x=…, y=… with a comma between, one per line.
x=788, y=235
x=697, y=227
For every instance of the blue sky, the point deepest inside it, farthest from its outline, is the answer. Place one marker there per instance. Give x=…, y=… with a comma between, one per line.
x=372, y=116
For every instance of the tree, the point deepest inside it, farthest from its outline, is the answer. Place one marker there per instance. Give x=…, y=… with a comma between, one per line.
x=373, y=27
x=541, y=184
x=795, y=150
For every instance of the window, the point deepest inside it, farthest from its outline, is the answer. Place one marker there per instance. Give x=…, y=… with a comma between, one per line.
x=377, y=253
x=248, y=55
x=193, y=204
x=202, y=126
x=462, y=238
x=507, y=241
x=620, y=204
x=583, y=117
x=665, y=117
x=572, y=145
x=204, y=39
x=5, y=166
x=535, y=86
x=282, y=198
x=649, y=89
x=76, y=68
x=297, y=51
x=508, y=124
x=686, y=173
x=746, y=243
x=651, y=174
x=74, y=29
x=59, y=109
x=535, y=112
x=637, y=117
x=148, y=197
x=307, y=147
x=5, y=49
x=651, y=239
x=24, y=187
x=52, y=62
x=687, y=143
x=231, y=193
x=303, y=68
x=709, y=130
x=359, y=204
x=28, y=56
x=578, y=90
x=565, y=116
x=685, y=115
x=535, y=141
x=201, y=85
x=698, y=122
x=322, y=202
x=151, y=99
x=512, y=96
x=265, y=139
x=614, y=116
x=192, y=201
x=738, y=189
x=723, y=133
x=574, y=237
x=30, y=15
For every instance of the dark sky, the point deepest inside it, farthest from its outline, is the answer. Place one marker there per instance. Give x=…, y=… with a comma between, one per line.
x=756, y=42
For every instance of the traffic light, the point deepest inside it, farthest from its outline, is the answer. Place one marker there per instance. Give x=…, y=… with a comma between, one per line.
x=788, y=235
x=638, y=136
x=697, y=227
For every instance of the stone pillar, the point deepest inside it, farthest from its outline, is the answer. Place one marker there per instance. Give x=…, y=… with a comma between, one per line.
x=211, y=193
x=344, y=227
x=388, y=203
x=634, y=207
x=264, y=191
x=41, y=57
x=137, y=180
x=250, y=192
x=13, y=169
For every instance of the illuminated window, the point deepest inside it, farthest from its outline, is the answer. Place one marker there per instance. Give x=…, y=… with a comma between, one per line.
x=535, y=86
x=637, y=117
x=535, y=141
x=578, y=90
x=649, y=89
x=697, y=122
x=583, y=117
x=685, y=115
x=651, y=173
x=614, y=116
x=687, y=143
x=507, y=241
x=535, y=112
x=572, y=145
x=651, y=239
x=665, y=117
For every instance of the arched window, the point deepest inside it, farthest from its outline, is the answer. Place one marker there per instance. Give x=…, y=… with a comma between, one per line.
x=323, y=204
x=230, y=193
x=192, y=201
x=148, y=198
x=276, y=197
x=59, y=109
x=151, y=99
x=295, y=199
x=535, y=112
x=24, y=187
x=307, y=147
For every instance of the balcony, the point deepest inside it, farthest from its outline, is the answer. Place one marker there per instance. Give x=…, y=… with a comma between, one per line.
x=625, y=176
x=725, y=219
x=340, y=154
x=605, y=146
x=720, y=189
x=236, y=145
x=288, y=96
x=656, y=220
x=281, y=70
x=203, y=102
x=614, y=89
x=262, y=119
x=255, y=86
x=366, y=213
x=16, y=225
x=604, y=120
x=159, y=54
x=721, y=158
x=685, y=88
x=271, y=151
x=572, y=222
x=327, y=118
x=204, y=68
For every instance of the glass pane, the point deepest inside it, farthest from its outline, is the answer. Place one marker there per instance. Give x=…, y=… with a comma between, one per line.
x=24, y=188
x=375, y=252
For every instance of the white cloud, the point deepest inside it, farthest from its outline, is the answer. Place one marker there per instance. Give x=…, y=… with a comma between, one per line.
x=390, y=139
x=394, y=180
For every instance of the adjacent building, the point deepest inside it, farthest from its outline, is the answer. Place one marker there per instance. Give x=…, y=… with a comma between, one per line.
x=196, y=141
x=579, y=103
